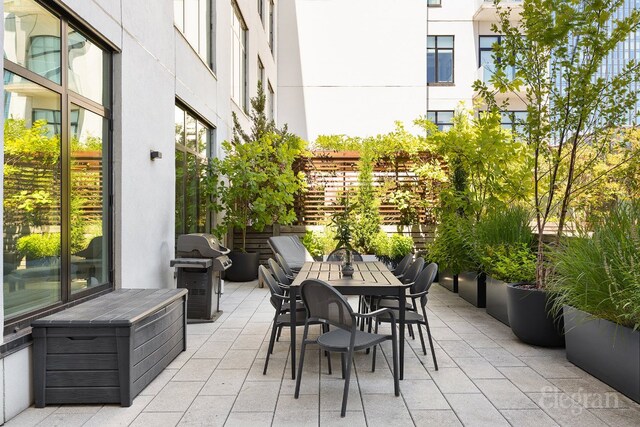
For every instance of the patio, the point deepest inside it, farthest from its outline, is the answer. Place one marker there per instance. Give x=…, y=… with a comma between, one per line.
x=486, y=377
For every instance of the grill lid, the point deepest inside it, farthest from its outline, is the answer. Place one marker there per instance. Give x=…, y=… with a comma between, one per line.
x=200, y=245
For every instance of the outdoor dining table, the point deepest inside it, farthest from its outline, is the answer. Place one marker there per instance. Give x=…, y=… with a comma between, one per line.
x=370, y=278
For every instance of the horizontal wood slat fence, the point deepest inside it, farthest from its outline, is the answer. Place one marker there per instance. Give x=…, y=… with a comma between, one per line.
x=329, y=175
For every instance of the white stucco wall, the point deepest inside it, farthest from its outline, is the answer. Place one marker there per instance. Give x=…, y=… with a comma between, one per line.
x=155, y=66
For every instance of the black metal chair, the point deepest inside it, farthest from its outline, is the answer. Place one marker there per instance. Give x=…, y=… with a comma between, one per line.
x=282, y=306
x=287, y=270
x=279, y=273
x=418, y=294
x=410, y=275
x=402, y=266
x=340, y=254
x=327, y=306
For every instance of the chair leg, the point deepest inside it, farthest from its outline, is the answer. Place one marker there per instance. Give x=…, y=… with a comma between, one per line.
x=375, y=347
x=424, y=349
x=347, y=380
x=302, y=351
x=342, y=363
x=396, y=376
x=279, y=332
x=325, y=329
x=411, y=332
x=270, y=350
x=433, y=352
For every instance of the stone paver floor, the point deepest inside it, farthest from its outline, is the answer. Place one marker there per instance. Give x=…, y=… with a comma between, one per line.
x=486, y=378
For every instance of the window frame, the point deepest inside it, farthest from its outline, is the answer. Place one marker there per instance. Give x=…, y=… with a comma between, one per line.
x=272, y=21
x=437, y=122
x=437, y=81
x=244, y=96
x=203, y=159
x=17, y=330
x=210, y=20
x=438, y=4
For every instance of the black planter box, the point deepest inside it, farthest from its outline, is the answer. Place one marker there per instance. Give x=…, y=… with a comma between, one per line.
x=605, y=350
x=448, y=280
x=472, y=287
x=530, y=319
x=497, y=300
x=108, y=349
x=244, y=267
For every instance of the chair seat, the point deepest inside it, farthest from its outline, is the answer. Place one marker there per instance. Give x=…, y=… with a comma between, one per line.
x=285, y=319
x=409, y=317
x=287, y=306
x=338, y=340
x=393, y=303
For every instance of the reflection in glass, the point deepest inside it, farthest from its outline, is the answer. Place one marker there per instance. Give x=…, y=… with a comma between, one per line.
x=191, y=195
x=179, y=193
x=31, y=217
x=32, y=38
x=190, y=132
x=88, y=68
x=88, y=201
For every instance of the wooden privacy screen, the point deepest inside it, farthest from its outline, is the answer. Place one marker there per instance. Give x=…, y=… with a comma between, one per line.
x=330, y=174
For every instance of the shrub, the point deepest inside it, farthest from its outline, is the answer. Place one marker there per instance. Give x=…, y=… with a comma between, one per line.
x=600, y=274
x=452, y=248
x=511, y=263
x=391, y=249
x=35, y=246
x=313, y=242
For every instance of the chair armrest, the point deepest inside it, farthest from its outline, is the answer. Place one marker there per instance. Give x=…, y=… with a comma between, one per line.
x=419, y=294
x=376, y=313
x=283, y=286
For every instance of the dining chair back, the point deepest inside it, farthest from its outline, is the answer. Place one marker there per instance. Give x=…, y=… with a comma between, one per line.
x=412, y=272
x=278, y=272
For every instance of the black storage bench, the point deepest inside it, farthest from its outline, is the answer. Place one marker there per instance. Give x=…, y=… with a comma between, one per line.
x=108, y=349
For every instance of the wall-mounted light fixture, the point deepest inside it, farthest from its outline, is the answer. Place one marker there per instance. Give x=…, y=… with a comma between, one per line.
x=155, y=155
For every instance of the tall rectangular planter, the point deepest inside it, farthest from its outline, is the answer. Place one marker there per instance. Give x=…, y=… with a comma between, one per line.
x=605, y=350
x=497, y=299
x=448, y=280
x=472, y=287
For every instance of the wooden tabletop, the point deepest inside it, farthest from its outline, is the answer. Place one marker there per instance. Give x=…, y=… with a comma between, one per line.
x=369, y=273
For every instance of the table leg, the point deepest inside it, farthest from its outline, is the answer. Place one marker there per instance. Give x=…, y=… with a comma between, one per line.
x=402, y=303
x=292, y=304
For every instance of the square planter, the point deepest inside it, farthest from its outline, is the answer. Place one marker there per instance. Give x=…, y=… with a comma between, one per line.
x=605, y=350
x=448, y=280
x=472, y=287
x=497, y=300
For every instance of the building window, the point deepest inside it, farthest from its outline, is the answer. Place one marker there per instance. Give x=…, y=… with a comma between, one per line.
x=57, y=222
x=442, y=119
x=487, y=61
x=239, y=58
x=434, y=3
x=261, y=75
x=272, y=29
x=513, y=120
x=193, y=19
x=261, y=10
x=439, y=59
x=271, y=100
x=193, y=149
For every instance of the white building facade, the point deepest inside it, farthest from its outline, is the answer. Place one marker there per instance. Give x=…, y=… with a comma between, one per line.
x=355, y=67
x=91, y=89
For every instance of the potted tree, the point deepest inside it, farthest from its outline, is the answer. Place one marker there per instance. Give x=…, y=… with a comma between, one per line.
x=254, y=184
x=596, y=285
x=574, y=114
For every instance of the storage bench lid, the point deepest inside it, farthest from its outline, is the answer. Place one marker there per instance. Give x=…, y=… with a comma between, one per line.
x=122, y=307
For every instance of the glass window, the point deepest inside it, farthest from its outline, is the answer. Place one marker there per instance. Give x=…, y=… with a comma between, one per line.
x=192, y=153
x=89, y=67
x=439, y=59
x=443, y=119
x=513, y=120
x=32, y=38
x=272, y=99
x=433, y=3
x=261, y=10
x=487, y=60
x=56, y=179
x=32, y=198
x=193, y=19
x=261, y=75
x=238, y=59
x=89, y=200
x=272, y=29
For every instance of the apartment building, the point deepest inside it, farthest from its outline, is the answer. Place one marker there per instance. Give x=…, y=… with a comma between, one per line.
x=110, y=111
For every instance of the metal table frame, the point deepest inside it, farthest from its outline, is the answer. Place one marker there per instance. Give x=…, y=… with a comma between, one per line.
x=369, y=279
